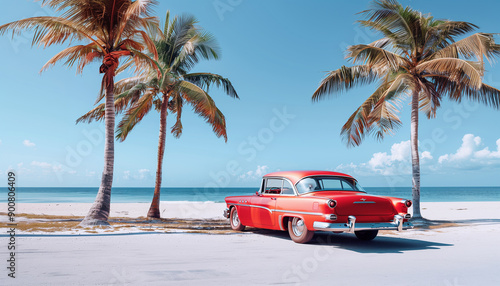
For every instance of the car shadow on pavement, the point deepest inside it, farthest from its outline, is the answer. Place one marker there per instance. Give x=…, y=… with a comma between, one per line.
x=381, y=244
x=347, y=241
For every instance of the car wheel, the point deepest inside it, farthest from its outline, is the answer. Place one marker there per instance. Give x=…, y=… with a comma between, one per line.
x=298, y=230
x=235, y=220
x=366, y=234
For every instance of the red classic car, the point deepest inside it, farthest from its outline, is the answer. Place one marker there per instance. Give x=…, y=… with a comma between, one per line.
x=306, y=201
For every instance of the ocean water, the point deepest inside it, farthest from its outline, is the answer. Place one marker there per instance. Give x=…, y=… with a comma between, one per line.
x=144, y=195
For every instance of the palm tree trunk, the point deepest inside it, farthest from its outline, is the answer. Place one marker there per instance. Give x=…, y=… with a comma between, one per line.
x=415, y=160
x=99, y=212
x=154, y=209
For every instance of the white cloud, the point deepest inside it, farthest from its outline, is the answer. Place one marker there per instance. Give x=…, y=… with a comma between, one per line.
x=257, y=174
x=90, y=173
x=56, y=167
x=397, y=162
x=139, y=175
x=143, y=173
x=41, y=164
x=28, y=143
x=470, y=156
x=126, y=175
x=426, y=155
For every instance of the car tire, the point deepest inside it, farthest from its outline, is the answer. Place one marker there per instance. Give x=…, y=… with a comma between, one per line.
x=298, y=230
x=235, y=220
x=366, y=234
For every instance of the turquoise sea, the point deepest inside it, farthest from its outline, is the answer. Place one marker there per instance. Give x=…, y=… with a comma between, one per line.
x=144, y=195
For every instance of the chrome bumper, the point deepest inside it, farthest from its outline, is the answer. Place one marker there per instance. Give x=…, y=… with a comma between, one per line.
x=226, y=213
x=351, y=225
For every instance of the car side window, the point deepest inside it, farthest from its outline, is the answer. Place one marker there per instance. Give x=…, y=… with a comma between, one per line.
x=273, y=186
x=347, y=186
x=307, y=185
x=287, y=188
x=262, y=186
x=336, y=185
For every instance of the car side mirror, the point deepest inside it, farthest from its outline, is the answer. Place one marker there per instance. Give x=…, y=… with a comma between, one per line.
x=257, y=193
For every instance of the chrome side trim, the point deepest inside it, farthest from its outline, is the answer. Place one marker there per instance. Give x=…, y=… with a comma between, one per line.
x=351, y=225
x=280, y=220
x=297, y=212
x=280, y=211
x=254, y=206
x=366, y=202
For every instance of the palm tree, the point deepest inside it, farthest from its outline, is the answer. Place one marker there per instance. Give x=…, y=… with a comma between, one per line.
x=181, y=46
x=108, y=31
x=418, y=57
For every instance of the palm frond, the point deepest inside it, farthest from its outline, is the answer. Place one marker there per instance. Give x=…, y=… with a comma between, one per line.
x=177, y=104
x=83, y=54
x=144, y=64
x=394, y=21
x=205, y=80
x=133, y=116
x=457, y=91
x=429, y=98
x=487, y=95
x=50, y=30
x=204, y=106
x=344, y=79
x=96, y=114
x=202, y=103
x=453, y=69
x=375, y=56
x=378, y=113
x=475, y=46
x=442, y=33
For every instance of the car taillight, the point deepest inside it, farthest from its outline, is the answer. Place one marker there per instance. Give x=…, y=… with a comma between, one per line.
x=408, y=203
x=331, y=203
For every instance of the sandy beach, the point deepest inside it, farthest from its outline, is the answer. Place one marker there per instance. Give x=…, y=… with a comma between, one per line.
x=462, y=251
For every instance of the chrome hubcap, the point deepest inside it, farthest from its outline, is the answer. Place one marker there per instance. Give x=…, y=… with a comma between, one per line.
x=297, y=226
x=236, y=220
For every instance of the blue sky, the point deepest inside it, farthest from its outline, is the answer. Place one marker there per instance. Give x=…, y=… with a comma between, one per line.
x=275, y=53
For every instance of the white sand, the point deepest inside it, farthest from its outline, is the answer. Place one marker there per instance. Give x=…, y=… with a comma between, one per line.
x=209, y=210
x=464, y=255
x=205, y=210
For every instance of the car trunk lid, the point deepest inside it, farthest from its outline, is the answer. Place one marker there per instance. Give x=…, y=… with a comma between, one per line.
x=362, y=204
x=357, y=203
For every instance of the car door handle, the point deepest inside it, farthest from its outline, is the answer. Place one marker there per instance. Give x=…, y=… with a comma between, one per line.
x=273, y=198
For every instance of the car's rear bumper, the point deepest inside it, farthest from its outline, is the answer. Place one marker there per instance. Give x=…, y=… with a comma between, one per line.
x=351, y=225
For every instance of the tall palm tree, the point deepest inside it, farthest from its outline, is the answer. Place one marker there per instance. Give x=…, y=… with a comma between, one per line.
x=181, y=46
x=108, y=31
x=418, y=57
